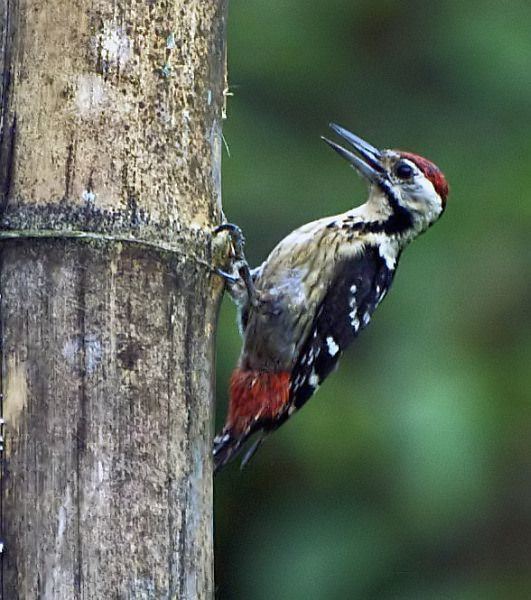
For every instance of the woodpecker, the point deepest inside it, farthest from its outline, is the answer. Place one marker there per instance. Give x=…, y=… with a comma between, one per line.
x=318, y=289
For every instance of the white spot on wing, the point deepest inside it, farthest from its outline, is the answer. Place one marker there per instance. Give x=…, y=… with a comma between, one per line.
x=309, y=357
x=366, y=319
x=313, y=380
x=297, y=383
x=354, y=321
x=333, y=348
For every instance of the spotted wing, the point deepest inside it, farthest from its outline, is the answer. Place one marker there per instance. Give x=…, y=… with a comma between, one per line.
x=357, y=289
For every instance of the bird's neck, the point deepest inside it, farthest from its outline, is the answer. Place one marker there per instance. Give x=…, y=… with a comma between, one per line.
x=384, y=215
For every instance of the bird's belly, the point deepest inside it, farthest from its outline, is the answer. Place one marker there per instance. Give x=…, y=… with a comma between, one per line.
x=274, y=326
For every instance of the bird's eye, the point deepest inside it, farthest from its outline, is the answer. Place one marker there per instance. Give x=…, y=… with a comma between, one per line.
x=403, y=170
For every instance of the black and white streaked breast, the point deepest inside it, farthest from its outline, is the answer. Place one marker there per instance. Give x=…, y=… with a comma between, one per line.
x=358, y=288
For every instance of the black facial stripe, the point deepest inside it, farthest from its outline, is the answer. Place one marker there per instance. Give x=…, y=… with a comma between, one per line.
x=400, y=219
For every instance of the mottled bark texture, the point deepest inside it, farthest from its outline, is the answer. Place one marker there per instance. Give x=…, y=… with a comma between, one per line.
x=111, y=127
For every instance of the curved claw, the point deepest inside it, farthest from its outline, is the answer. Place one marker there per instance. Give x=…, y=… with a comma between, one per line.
x=228, y=227
x=236, y=233
x=239, y=263
x=227, y=276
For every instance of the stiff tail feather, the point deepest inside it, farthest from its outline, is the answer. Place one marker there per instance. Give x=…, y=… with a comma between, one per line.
x=257, y=399
x=226, y=447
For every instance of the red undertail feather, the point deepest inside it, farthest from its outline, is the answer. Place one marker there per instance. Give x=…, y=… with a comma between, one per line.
x=255, y=397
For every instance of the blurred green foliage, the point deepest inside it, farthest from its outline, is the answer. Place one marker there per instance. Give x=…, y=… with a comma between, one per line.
x=408, y=475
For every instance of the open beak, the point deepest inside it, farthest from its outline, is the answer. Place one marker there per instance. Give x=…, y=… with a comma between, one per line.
x=369, y=165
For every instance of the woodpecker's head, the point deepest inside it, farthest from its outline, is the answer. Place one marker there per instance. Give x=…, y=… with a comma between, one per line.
x=413, y=187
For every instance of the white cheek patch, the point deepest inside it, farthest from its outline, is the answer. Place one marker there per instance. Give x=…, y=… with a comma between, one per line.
x=424, y=201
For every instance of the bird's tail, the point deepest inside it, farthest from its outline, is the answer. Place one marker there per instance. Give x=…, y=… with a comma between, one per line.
x=226, y=446
x=257, y=399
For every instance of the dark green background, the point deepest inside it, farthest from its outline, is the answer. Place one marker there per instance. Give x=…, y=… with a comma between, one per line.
x=408, y=475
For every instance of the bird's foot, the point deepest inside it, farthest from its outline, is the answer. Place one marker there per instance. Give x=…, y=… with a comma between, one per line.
x=239, y=274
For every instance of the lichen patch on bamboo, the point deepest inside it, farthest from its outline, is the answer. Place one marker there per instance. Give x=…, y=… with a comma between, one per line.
x=16, y=396
x=83, y=352
x=91, y=96
x=113, y=47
